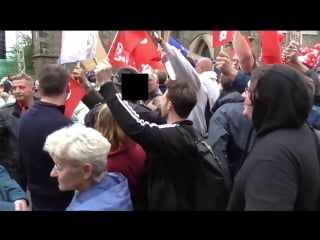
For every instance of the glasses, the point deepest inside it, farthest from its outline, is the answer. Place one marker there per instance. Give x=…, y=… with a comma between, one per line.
x=57, y=167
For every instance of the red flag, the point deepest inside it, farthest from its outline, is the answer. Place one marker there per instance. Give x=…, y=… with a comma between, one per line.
x=271, y=50
x=157, y=65
x=221, y=38
x=146, y=52
x=124, y=43
x=76, y=94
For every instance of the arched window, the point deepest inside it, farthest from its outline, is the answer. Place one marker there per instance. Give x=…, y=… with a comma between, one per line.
x=202, y=45
x=203, y=49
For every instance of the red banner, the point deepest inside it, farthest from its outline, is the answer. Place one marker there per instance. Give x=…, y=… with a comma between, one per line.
x=77, y=92
x=221, y=38
x=136, y=49
x=146, y=54
x=123, y=45
x=271, y=49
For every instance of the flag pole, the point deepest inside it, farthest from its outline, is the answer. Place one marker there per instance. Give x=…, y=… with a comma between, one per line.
x=114, y=39
x=167, y=36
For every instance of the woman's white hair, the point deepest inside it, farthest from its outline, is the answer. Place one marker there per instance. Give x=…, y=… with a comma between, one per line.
x=78, y=144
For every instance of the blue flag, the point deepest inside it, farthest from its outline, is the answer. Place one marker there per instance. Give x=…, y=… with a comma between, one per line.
x=178, y=46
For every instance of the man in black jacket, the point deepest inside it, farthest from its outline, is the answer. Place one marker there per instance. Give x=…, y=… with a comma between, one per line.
x=172, y=169
x=144, y=112
x=23, y=91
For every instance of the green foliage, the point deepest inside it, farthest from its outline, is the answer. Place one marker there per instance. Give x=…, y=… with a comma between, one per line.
x=8, y=67
x=28, y=53
x=27, y=45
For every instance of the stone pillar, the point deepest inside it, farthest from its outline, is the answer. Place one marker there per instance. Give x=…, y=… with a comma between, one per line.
x=46, y=48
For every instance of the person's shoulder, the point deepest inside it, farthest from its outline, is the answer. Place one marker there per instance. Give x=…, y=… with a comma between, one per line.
x=139, y=107
x=208, y=76
x=233, y=106
x=7, y=106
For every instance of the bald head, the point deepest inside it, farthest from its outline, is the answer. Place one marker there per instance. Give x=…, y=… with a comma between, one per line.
x=204, y=64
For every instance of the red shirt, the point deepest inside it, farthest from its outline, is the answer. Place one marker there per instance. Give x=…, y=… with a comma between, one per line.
x=22, y=107
x=130, y=162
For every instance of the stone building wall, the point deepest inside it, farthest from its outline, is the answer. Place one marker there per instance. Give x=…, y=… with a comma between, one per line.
x=46, y=47
x=47, y=44
x=186, y=37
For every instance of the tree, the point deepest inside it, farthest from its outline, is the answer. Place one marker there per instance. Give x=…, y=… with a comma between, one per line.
x=8, y=68
x=27, y=45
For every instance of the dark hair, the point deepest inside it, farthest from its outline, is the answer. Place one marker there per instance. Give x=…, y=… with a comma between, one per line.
x=256, y=74
x=162, y=76
x=226, y=83
x=117, y=77
x=183, y=97
x=91, y=76
x=53, y=80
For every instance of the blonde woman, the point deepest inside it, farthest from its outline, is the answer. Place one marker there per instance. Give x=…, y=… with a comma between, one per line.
x=125, y=156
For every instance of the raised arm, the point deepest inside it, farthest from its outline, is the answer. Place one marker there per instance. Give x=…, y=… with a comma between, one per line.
x=243, y=52
x=182, y=68
x=148, y=135
x=240, y=79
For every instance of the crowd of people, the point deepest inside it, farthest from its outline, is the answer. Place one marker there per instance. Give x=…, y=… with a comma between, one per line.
x=122, y=155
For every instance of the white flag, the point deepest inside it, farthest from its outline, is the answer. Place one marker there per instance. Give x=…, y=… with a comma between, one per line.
x=78, y=45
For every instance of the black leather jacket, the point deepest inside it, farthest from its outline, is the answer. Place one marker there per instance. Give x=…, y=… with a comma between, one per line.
x=9, y=155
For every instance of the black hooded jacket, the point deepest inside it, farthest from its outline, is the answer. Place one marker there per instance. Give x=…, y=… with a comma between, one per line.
x=284, y=100
x=282, y=172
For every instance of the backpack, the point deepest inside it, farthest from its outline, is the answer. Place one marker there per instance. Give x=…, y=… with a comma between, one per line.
x=214, y=184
